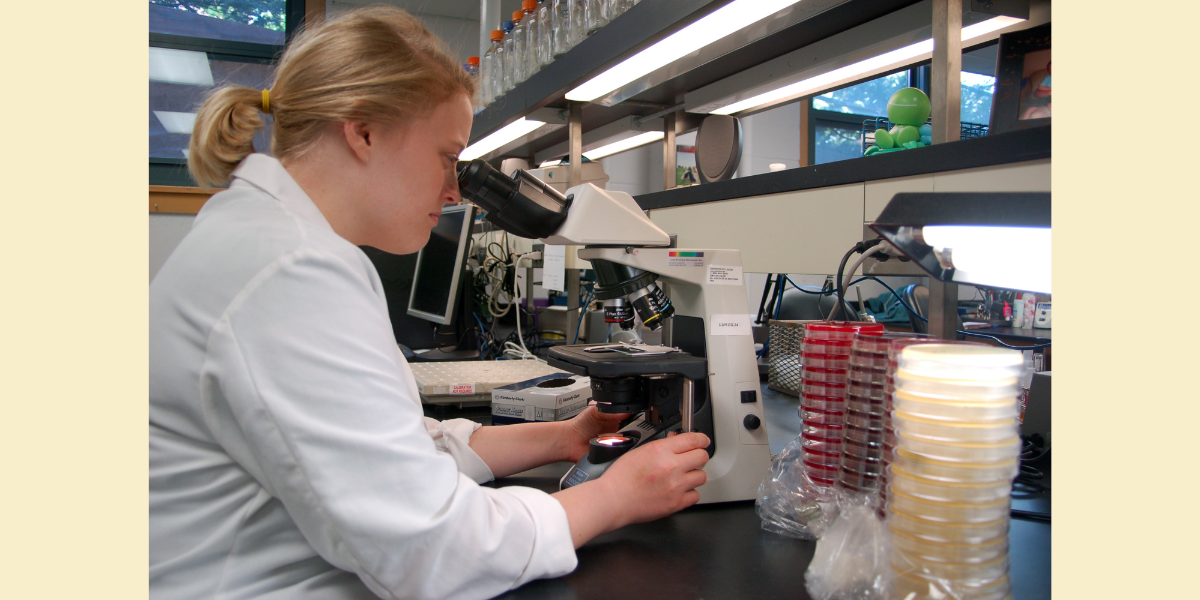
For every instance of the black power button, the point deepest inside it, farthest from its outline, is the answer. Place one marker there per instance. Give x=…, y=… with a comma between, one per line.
x=751, y=422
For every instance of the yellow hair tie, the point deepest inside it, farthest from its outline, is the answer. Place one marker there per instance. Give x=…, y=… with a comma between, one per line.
x=266, y=101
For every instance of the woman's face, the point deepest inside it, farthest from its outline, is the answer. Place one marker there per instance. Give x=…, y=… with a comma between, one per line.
x=413, y=176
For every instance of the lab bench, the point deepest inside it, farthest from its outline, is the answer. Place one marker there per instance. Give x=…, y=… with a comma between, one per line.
x=720, y=551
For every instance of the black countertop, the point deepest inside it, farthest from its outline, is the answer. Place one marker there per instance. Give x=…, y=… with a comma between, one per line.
x=720, y=551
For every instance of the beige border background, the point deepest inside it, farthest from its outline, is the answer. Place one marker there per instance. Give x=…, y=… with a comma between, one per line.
x=74, y=239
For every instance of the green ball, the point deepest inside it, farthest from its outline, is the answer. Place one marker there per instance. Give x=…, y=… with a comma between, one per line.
x=909, y=106
x=884, y=140
x=907, y=134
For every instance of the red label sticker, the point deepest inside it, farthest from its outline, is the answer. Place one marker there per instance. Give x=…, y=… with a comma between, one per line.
x=462, y=389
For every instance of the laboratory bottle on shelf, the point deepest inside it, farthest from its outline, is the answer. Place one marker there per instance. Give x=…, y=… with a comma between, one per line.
x=597, y=15
x=515, y=64
x=506, y=82
x=488, y=68
x=472, y=68
x=579, y=13
x=560, y=25
x=529, y=41
x=545, y=33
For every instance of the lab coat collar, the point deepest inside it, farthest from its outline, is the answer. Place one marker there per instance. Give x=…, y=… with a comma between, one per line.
x=267, y=174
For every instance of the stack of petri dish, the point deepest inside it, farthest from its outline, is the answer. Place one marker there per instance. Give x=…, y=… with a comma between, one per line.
x=862, y=431
x=955, y=412
x=824, y=379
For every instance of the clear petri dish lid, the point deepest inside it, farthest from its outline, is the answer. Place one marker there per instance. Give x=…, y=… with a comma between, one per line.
x=841, y=330
x=866, y=390
x=825, y=361
x=961, y=362
x=959, y=452
x=829, y=375
x=817, y=346
x=876, y=362
x=929, y=468
x=896, y=346
x=879, y=344
x=950, y=512
x=822, y=388
x=863, y=419
x=979, y=573
x=861, y=374
x=953, y=491
x=821, y=416
x=959, y=411
x=939, y=531
x=994, y=389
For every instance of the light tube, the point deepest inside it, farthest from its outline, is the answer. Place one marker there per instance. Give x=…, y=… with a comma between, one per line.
x=176, y=122
x=500, y=137
x=728, y=19
x=1006, y=257
x=894, y=58
x=625, y=144
x=554, y=162
x=180, y=66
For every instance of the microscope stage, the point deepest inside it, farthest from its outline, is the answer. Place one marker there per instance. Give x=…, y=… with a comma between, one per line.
x=575, y=360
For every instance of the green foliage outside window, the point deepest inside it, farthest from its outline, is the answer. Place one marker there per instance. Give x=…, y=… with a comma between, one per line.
x=268, y=14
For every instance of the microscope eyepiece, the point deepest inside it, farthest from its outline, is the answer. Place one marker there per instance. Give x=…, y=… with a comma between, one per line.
x=521, y=204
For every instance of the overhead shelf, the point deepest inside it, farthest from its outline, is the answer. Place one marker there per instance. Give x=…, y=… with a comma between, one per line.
x=1017, y=146
x=648, y=22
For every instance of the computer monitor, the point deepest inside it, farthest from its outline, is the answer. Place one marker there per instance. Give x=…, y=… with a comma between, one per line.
x=439, y=270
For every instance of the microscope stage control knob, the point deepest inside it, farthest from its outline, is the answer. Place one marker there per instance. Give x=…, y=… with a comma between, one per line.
x=752, y=422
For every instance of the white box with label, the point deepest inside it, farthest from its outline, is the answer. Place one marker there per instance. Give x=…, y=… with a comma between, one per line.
x=546, y=398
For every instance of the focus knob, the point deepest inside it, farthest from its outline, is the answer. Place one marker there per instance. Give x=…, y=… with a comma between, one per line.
x=752, y=422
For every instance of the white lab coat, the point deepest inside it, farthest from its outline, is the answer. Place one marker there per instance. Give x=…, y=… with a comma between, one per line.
x=289, y=457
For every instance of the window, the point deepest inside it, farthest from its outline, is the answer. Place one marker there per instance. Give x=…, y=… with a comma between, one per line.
x=976, y=97
x=195, y=47
x=869, y=98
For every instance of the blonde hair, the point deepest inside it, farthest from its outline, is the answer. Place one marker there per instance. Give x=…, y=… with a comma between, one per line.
x=376, y=64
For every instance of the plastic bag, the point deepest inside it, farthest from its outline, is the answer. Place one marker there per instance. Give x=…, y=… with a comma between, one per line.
x=852, y=558
x=789, y=502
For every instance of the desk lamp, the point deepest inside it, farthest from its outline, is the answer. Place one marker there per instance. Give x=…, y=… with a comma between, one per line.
x=992, y=239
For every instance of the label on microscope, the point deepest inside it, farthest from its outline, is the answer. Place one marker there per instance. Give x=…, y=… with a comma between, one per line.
x=462, y=389
x=730, y=325
x=685, y=259
x=719, y=275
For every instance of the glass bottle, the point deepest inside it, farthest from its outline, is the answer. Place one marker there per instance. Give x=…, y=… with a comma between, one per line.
x=560, y=23
x=597, y=15
x=545, y=41
x=506, y=82
x=579, y=12
x=517, y=55
x=531, y=24
x=491, y=59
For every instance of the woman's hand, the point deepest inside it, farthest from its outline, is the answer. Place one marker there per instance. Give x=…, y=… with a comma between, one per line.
x=647, y=483
x=577, y=432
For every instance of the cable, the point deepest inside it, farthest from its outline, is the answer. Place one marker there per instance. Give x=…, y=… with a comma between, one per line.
x=960, y=332
x=512, y=350
x=582, y=313
x=859, y=262
x=840, y=292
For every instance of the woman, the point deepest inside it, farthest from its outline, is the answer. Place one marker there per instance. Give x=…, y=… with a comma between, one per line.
x=289, y=457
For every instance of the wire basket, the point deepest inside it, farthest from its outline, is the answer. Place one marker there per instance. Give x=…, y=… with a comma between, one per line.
x=966, y=131
x=783, y=366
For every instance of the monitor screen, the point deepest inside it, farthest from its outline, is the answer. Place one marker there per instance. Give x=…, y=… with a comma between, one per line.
x=440, y=266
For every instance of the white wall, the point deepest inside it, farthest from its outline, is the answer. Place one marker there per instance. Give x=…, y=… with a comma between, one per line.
x=771, y=136
x=166, y=231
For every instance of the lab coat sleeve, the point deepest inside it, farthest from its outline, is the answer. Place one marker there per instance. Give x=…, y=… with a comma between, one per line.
x=454, y=437
x=303, y=364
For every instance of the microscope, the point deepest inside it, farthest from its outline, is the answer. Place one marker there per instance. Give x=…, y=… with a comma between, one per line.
x=704, y=378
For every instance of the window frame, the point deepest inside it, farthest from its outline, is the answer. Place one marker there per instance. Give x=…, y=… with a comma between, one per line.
x=172, y=172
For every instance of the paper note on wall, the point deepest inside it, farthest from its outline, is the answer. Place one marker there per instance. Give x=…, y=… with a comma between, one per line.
x=554, y=268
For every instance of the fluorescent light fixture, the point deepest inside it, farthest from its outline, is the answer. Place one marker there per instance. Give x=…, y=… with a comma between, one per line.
x=716, y=25
x=632, y=142
x=180, y=66
x=895, y=58
x=500, y=137
x=1007, y=257
x=550, y=163
x=176, y=122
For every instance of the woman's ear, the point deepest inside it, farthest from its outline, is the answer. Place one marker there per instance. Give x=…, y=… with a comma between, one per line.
x=359, y=137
